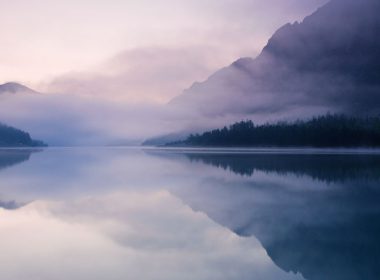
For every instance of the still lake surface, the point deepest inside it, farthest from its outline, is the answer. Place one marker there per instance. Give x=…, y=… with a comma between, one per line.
x=133, y=213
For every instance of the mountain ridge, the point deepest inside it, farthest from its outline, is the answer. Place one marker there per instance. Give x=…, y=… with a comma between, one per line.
x=322, y=64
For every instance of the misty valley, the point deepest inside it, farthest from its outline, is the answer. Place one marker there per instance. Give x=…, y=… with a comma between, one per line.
x=190, y=140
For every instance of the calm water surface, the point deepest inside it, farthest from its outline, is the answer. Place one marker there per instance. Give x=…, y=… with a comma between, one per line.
x=122, y=213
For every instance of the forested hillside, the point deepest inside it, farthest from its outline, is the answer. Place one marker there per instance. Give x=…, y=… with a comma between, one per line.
x=13, y=137
x=323, y=131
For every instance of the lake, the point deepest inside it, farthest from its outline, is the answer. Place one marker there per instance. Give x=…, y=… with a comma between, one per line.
x=145, y=213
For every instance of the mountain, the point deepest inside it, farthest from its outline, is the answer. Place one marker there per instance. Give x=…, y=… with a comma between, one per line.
x=327, y=63
x=14, y=88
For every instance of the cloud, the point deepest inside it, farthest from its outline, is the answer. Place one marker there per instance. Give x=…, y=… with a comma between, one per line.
x=72, y=120
x=123, y=101
x=154, y=74
x=77, y=38
x=75, y=120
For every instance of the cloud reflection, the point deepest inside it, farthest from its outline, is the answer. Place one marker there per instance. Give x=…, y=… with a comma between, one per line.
x=138, y=235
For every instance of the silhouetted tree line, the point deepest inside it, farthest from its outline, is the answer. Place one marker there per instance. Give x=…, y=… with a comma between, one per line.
x=322, y=131
x=13, y=137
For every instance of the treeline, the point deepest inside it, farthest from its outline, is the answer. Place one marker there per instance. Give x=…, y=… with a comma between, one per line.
x=322, y=131
x=13, y=137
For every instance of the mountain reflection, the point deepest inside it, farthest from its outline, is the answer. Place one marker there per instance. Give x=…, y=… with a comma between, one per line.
x=135, y=234
x=314, y=214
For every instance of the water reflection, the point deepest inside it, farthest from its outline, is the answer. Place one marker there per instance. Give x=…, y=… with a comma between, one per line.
x=130, y=213
x=317, y=214
x=9, y=158
x=113, y=219
x=125, y=235
x=324, y=167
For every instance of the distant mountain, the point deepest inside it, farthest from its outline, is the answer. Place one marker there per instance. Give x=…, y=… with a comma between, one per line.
x=328, y=62
x=13, y=88
x=13, y=137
